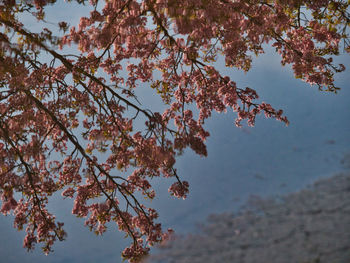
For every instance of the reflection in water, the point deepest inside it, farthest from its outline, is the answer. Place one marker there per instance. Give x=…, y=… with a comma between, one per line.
x=309, y=226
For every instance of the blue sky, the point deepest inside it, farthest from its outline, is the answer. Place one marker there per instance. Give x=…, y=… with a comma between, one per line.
x=268, y=159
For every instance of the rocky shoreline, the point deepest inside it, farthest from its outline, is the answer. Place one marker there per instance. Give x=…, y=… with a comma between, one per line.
x=309, y=226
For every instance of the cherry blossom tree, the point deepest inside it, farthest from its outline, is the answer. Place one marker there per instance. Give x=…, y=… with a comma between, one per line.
x=72, y=123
